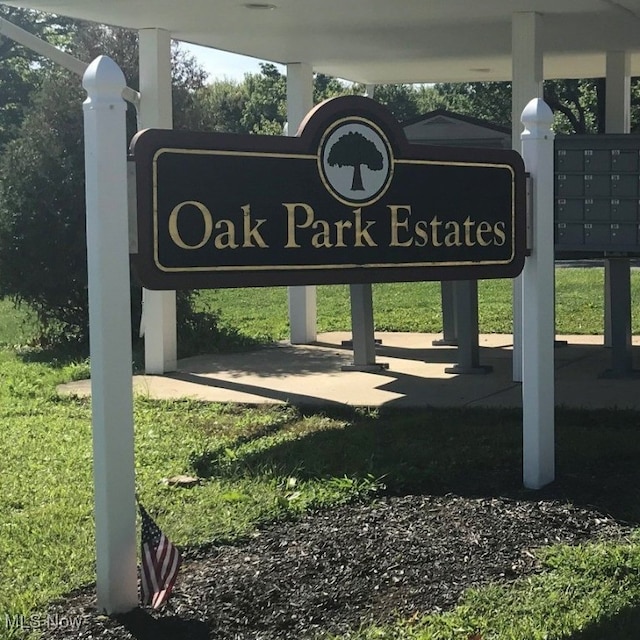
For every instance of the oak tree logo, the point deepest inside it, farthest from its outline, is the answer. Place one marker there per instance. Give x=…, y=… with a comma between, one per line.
x=355, y=161
x=354, y=150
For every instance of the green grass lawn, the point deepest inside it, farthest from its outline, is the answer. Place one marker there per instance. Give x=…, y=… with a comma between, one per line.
x=262, y=313
x=16, y=325
x=252, y=458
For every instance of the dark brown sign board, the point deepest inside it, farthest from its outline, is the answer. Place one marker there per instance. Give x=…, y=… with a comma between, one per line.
x=347, y=200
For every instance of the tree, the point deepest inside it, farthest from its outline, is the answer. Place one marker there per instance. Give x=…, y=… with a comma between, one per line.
x=265, y=109
x=400, y=99
x=222, y=106
x=485, y=100
x=42, y=202
x=20, y=68
x=188, y=81
x=325, y=87
x=259, y=103
x=354, y=150
x=578, y=105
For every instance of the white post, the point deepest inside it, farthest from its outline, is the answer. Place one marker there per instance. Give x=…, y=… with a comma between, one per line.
x=110, y=335
x=302, y=300
x=618, y=93
x=617, y=120
x=538, y=388
x=527, y=76
x=159, y=307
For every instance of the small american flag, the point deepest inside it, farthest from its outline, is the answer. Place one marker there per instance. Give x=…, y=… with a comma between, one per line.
x=160, y=563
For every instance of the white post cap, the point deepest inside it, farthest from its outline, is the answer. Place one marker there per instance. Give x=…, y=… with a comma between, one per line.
x=537, y=119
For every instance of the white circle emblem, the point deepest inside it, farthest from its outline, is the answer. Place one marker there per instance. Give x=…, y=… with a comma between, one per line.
x=355, y=161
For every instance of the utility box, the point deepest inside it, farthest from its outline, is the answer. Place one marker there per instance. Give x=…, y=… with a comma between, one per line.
x=597, y=195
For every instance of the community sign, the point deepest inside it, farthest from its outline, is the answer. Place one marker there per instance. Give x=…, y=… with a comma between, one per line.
x=347, y=200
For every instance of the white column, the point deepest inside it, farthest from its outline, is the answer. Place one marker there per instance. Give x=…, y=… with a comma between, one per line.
x=159, y=307
x=538, y=385
x=110, y=336
x=618, y=93
x=527, y=76
x=617, y=120
x=302, y=300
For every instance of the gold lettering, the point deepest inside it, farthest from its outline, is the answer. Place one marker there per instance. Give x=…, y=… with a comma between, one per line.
x=252, y=234
x=341, y=225
x=363, y=234
x=435, y=225
x=482, y=228
x=422, y=233
x=498, y=230
x=321, y=239
x=173, y=224
x=291, y=222
x=452, y=239
x=226, y=239
x=468, y=223
x=397, y=224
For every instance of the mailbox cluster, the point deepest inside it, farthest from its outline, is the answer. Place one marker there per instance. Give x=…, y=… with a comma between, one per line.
x=597, y=194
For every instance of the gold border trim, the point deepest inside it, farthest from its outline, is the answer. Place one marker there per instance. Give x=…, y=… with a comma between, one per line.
x=317, y=267
x=316, y=157
x=209, y=152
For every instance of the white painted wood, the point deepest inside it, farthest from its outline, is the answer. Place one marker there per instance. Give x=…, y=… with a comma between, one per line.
x=618, y=94
x=538, y=386
x=424, y=42
x=378, y=41
x=617, y=120
x=110, y=336
x=299, y=94
x=158, y=307
x=527, y=76
x=302, y=300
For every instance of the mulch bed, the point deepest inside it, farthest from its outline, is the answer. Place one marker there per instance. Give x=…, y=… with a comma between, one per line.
x=335, y=570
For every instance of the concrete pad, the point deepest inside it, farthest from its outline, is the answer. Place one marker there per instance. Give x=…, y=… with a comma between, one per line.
x=311, y=374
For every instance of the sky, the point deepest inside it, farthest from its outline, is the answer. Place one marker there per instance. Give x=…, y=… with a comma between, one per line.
x=220, y=64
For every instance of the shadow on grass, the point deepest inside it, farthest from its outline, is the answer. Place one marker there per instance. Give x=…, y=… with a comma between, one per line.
x=144, y=626
x=624, y=625
x=464, y=451
x=58, y=354
x=217, y=461
x=190, y=343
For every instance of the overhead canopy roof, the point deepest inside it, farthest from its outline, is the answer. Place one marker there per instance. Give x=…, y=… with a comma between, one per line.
x=385, y=41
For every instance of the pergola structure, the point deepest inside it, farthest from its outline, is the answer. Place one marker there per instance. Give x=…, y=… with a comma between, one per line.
x=374, y=42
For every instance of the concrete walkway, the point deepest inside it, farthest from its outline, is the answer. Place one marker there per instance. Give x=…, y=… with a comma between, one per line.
x=311, y=374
